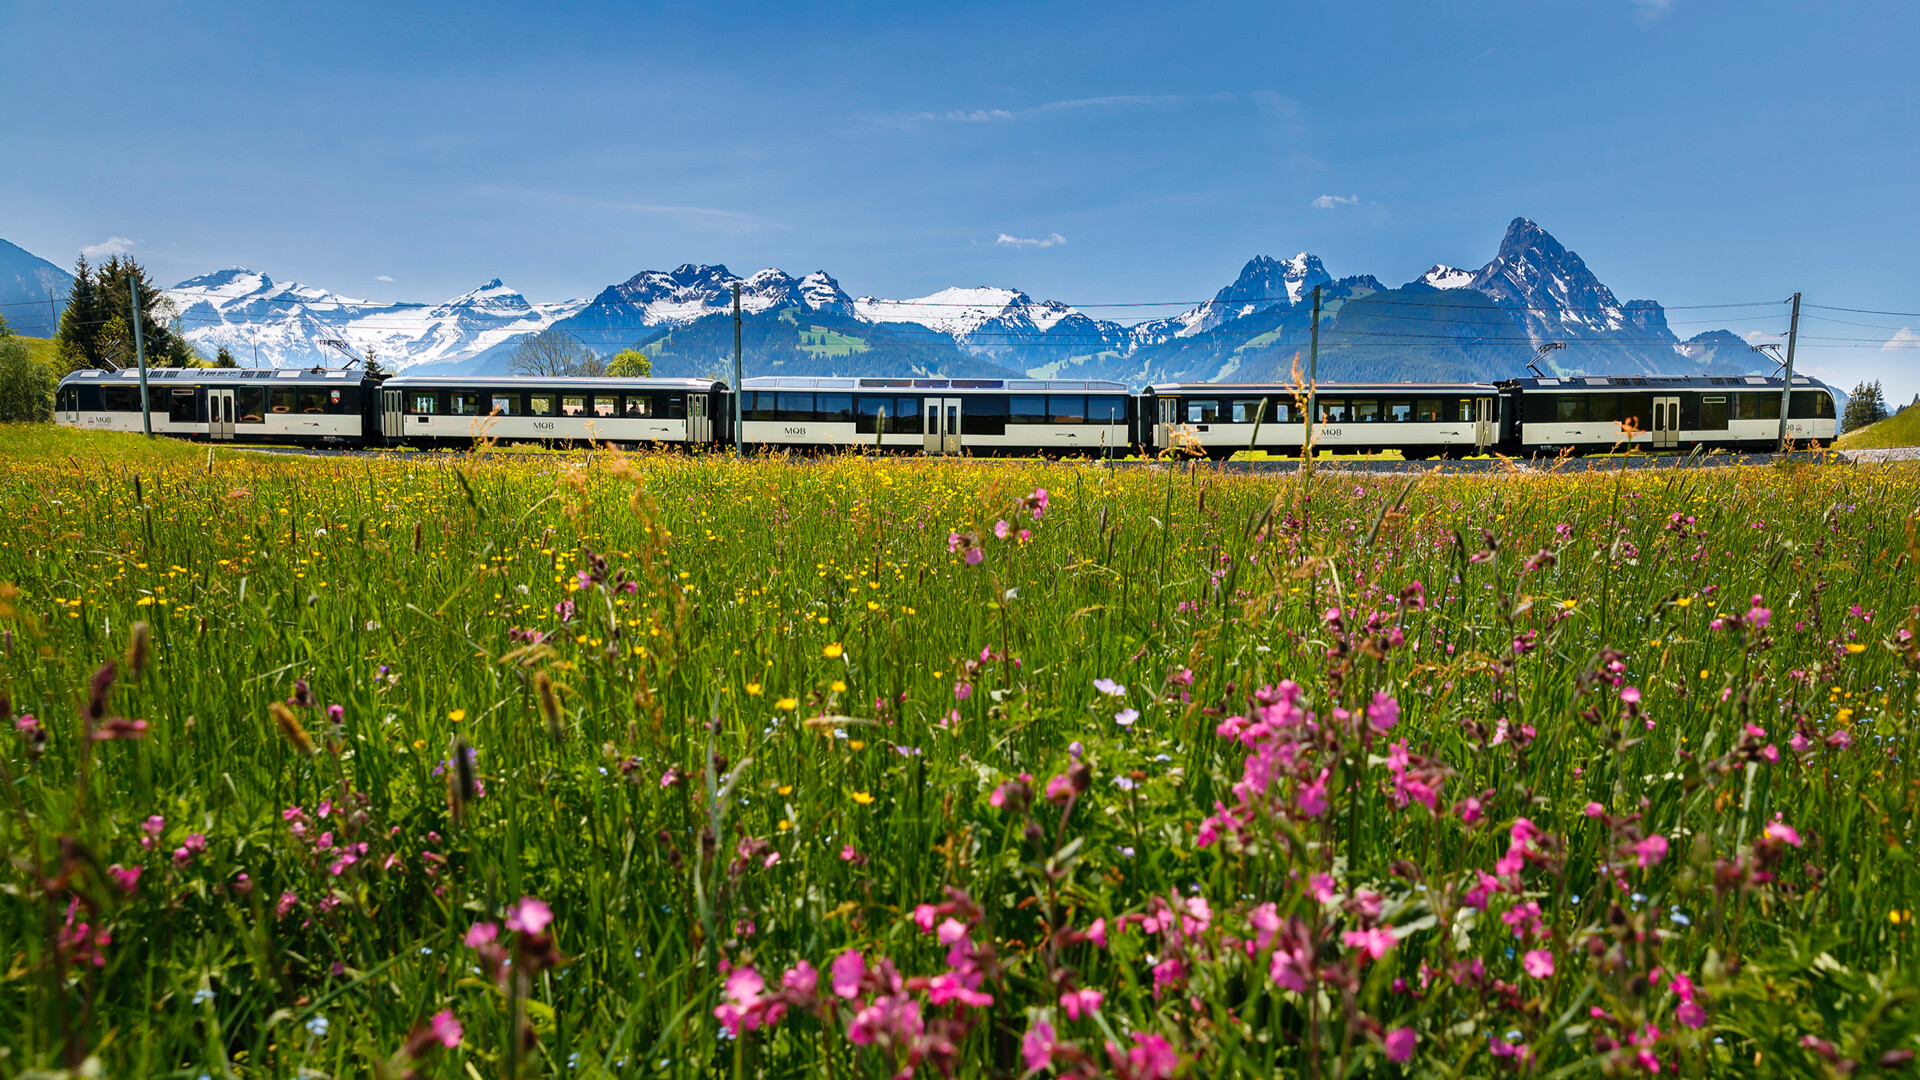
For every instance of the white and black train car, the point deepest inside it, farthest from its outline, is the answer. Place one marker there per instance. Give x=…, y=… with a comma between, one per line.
x=292, y=406
x=438, y=410
x=982, y=417
x=1599, y=413
x=1421, y=420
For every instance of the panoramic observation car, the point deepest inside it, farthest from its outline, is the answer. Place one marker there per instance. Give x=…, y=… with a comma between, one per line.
x=1421, y=420
x=297, y=406
x=442, y=410
x=1599, y=413
x=983, y=417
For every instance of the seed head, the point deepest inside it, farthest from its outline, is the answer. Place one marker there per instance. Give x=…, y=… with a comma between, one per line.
x=139, y=648
x=549, y=704
x=290, y=728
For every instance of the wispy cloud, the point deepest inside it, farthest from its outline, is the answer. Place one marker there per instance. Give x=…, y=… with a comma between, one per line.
x=908, y=121
x=1903, y=338
x=1012, y=241
x=1328, y=202
x=712, y=217
x=382, y=277
x=112, y=245
x=1651, y=10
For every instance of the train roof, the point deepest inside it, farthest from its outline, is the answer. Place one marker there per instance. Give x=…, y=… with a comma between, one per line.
x=787, y=382
x=1674, y=382
x=557, y=382
x=1290, y=389
x=219, y=376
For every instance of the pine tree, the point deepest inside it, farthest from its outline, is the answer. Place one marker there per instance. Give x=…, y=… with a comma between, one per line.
x=223, y=358
x=96, y=329
x=78, y=337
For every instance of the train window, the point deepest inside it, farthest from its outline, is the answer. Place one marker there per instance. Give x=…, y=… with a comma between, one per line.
x=464, y=403
x=984, y=414
x=1713, y=413
x=313, y=399
x=906, y=416
x=1811, y=405
x=1333, y=411
x=606, y=405
x=180, y=407
x=420, y=401
x=638, y=404
x=1570, y=408
x=1428, y=410
x=1106, y=410
x=250, y=404
x=1399, y=412
x=539, y=404
x=756, y=405
x=795, y=407
x=1603, y=408
x=282, y=399
x=573, y=405
x=1026, y=409
x=1243, y=411
x=120, y=398
x=499, y=404
x=867, y=412
x=1066, y=409
x=1761, y=406
x=1203, y=411
x=833, y=408
x=1366, y=411
x=1464, y=410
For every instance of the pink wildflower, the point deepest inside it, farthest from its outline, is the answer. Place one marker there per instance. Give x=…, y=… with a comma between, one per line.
x=1312, y=797
x=1538, y=963
x=1376, y=941
x=530, y=916
x=1077, y=1002
x=445, y=1029
x=1037, y=1046
x=845, y=973
x=1651, y=850
x=1400, y=1043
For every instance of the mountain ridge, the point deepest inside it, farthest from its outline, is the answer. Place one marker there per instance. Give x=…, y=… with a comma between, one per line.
x=1450, y=323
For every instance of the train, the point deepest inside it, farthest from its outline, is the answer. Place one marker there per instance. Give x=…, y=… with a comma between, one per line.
x=1523, y=417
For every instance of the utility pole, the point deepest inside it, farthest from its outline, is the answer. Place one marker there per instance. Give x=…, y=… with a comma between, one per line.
x=140, y=354
x=1786, y=382
x=1313, y=374
x=738, y=436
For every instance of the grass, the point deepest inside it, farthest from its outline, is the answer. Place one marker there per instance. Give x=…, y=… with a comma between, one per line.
x=813, y=774
x=1900, y=429
x=823, y=342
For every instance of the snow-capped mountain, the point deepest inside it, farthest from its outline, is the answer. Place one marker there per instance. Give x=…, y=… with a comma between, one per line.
x=1002, y=324
x=1444, y=277
x=262, y=321
x=1264, y=283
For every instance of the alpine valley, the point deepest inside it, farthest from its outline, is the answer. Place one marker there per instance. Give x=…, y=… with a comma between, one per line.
x=1448, y=324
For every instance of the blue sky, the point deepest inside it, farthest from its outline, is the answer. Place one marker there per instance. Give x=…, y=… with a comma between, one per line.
x=1690, y=152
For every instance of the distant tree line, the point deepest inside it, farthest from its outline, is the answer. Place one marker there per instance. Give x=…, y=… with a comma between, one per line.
x=554, y=352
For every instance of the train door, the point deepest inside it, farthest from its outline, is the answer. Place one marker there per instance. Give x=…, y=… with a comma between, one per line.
x=1666, y=423
x=220, y=414
x=392, y=416
x=1169, y=416
x=1483, y=433
x=72, y=395
x=943, y=425
x=699, y=423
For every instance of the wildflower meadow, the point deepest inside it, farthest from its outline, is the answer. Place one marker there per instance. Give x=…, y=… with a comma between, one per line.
x=664, y=765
